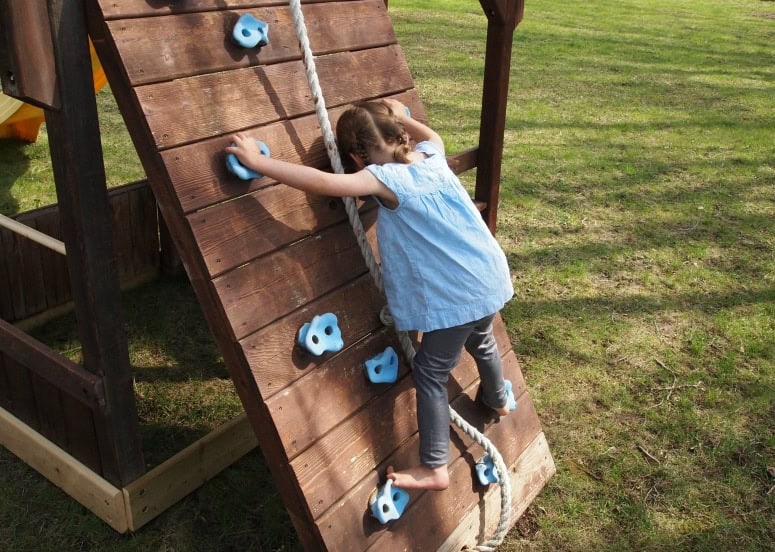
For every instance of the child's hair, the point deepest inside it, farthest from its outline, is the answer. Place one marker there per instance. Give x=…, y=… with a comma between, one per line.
x=361, y=127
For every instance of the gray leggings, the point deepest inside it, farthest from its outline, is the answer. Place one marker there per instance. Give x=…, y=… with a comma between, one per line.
x=439, y=353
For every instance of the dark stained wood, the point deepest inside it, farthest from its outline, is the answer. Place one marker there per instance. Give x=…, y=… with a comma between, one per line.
x=282, y=88
x=26, y=61
x=463, y=161
x=144, y=231
x=7, y=296
x=65, y=375
x=330, y=393
x=198, y=170
x=5, y=397
x=56, y=280
x=211, y=304
x=20, y=392
x=348, y=524
x=493, y=119
x=235, y=232
x=174, y=46
x=341, y=457
x=122, y=236
x=137, y=253
x=274, y=358
x=48, y=401
x=265, y=290
x=79, y=173
x=82, y=439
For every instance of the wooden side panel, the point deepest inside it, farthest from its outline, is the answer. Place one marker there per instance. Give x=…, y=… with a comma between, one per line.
x=147, y=8
x=34, y=279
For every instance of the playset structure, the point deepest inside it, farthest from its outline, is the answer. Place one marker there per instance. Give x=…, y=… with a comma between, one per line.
x=263, y=259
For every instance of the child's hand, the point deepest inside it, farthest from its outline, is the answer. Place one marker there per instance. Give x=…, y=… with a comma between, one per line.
x=398, y=109
x=247, y=151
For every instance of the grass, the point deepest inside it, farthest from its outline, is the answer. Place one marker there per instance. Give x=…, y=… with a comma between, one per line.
x=637, y=202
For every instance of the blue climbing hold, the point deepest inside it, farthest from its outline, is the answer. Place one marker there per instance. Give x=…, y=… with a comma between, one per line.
x=241, y=171
x=388, y=503
x=511, y=402
x=321, y=334
x=383, y=368
x=486, y=471
x=250, y=32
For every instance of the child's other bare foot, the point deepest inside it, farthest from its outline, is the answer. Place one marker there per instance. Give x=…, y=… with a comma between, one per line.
x=421, y=477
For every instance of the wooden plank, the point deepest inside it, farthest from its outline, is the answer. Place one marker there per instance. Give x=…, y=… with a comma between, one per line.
x=330, y=393
x=145, y=231
x=256, y=294
x=528, y=475
x=189, y=469
x=82, y=439
x=48, y=401
x=26, y=275
x=64, y=471
x=6, y=291
x=235, y=232
x=334, y=390
x=79, y=174
x=430, y=516
x=343, y=456
x=122, y=235
x=281, y=88
x=198, y=171
x=175, y=46
x=5, y=396
x=27, y=65
x=143, y=8
x=20, y=393
x=57, y=280
x=495, y=92
x=50, y=365
x=272, y=354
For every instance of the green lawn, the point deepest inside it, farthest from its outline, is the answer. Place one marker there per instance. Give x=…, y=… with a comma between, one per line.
x=637, y=207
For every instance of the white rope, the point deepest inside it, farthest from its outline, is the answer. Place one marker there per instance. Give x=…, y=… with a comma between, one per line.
x=374, y=269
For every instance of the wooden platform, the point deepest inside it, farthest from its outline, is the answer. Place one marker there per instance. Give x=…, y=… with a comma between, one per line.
x=264, y=258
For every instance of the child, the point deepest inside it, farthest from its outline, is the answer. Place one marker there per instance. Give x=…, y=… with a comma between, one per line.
x=444, y=273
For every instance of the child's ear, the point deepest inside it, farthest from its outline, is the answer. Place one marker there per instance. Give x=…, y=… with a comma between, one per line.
x=358, y=161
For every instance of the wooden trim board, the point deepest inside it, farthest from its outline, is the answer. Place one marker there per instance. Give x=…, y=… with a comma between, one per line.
x=139, y=502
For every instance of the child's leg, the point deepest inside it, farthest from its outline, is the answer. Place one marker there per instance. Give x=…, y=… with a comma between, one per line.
x=482, y=346
x=439, y=352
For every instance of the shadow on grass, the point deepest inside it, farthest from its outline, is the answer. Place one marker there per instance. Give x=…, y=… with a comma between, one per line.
x=13, y=164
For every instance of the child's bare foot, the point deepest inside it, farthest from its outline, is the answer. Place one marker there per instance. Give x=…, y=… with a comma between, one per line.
x=503, y=410
x=421, y=477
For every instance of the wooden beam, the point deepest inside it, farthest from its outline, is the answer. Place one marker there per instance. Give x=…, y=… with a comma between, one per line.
x=66, y=376
x=495, y=92
x=76, y=155
x=64, y=471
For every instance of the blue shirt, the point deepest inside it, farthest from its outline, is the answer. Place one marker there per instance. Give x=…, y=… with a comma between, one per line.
x=440, y=264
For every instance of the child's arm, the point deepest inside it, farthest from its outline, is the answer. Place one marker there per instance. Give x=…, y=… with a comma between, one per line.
x=308, y=179
x=416, y=130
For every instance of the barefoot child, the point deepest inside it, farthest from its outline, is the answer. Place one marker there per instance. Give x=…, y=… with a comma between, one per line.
x=444, y=273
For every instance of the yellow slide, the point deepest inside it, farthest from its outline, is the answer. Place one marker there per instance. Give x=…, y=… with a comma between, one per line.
x=22, y=121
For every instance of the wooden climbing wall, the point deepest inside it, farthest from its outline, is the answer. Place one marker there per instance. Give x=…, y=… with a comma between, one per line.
x=264, y=258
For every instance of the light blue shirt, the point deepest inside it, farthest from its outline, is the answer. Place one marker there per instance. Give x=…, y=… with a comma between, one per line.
x=440, y=264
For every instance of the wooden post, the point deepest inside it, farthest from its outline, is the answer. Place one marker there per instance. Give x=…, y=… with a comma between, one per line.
x=502, y=16
x=79, y=173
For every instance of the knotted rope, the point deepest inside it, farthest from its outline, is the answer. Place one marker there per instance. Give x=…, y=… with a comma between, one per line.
x=374, y=269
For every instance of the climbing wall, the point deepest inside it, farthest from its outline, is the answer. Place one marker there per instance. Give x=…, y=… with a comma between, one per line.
x=264, y=259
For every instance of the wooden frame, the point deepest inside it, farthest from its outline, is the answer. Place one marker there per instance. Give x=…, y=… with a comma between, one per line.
x=226, y=277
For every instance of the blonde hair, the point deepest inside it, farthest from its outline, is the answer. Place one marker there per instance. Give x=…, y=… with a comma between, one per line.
x=361, y=127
